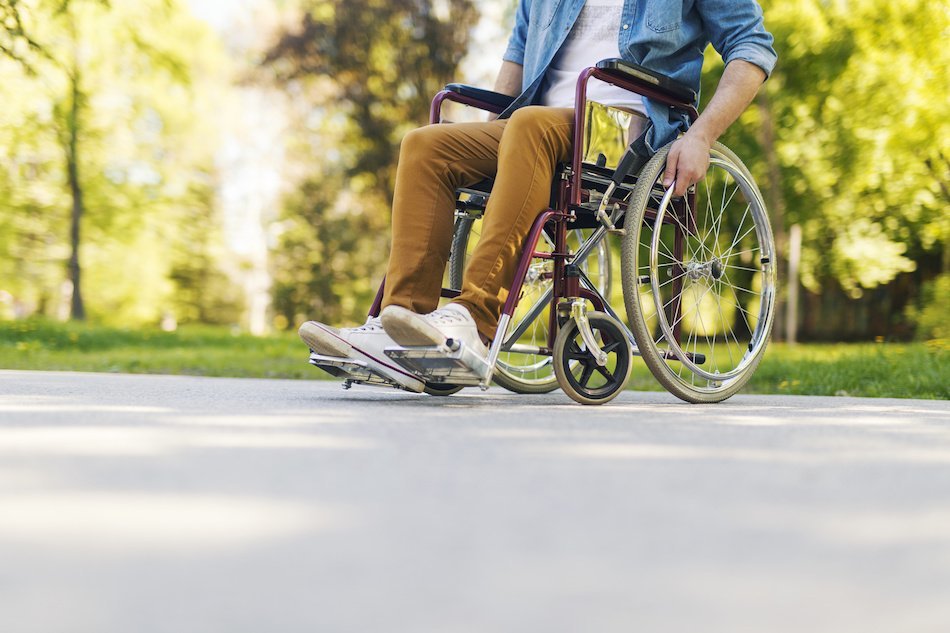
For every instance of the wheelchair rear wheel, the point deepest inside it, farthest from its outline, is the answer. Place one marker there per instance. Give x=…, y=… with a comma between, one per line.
x=699, y=279
x=525, y=367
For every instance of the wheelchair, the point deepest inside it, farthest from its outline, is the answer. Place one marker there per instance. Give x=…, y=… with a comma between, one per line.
x=697, y=272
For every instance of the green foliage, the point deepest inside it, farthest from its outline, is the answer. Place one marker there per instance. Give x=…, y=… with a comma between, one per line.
x=367, y=71
x=851, y=136
x=332, y=248
x=862, y=134
x=933, y=315
x=377, y=64
x=141, y=75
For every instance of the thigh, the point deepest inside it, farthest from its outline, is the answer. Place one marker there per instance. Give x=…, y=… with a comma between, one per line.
x=468, y=151
x=537, y=124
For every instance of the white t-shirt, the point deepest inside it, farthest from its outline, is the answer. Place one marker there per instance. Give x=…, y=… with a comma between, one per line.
x=594, y=36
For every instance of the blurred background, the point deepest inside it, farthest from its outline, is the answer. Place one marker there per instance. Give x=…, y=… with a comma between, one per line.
x=230, y=162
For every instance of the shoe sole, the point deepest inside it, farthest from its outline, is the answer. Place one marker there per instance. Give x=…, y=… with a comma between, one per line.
x=325, y=342
x=406, y=328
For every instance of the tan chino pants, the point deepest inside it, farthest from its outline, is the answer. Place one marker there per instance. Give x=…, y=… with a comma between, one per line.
x=521, y=154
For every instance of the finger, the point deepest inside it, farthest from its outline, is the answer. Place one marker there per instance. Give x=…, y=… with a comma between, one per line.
x=672, y=160
x=691, y=176
x=683, y=180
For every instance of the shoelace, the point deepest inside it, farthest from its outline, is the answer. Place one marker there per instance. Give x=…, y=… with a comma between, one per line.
x=374, y=323
x=446, y=317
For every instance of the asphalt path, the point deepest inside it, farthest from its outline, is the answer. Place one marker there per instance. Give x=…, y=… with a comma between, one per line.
x=138, y=504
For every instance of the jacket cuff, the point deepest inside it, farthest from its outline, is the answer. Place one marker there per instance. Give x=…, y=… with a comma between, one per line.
x=514, y=53
x=760, y=56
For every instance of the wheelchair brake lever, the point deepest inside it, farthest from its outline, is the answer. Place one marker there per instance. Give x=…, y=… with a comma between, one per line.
x=608, y=220
x=628, y=162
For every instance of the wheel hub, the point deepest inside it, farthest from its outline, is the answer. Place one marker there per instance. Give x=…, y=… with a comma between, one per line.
x=711, y=269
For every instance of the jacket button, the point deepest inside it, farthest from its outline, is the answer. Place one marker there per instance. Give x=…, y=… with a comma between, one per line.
x=626, y=26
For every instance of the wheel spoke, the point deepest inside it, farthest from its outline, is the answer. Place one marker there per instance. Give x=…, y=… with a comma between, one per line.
x=731, y=255
x=731, y=285
x=739, y=228
x=586, y=374
x=722, y=210
x=742, y=310
x=728, y=348
x=700, y=241
x=754, y=270
x=737, y=241
x=611, y=347
x=603, y=371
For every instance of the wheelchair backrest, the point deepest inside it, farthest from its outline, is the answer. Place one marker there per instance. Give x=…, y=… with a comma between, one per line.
x=609, y=131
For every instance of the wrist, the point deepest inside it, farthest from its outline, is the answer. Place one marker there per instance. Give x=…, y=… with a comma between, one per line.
x=699, y=133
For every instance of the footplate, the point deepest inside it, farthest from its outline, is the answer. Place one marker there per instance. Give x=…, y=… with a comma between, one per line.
x=452, y=363
x=351, y=370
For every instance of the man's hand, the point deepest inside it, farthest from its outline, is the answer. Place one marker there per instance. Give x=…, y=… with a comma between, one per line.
x=686, y=163
x=689, y=155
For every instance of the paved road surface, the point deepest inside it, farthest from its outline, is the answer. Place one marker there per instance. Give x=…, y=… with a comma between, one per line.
x=138, y=504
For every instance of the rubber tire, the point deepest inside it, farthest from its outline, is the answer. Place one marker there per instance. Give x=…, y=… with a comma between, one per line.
x=566, y=335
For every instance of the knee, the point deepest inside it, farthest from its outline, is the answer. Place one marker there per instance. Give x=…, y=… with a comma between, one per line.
x=533, y=118
x=526, y=119
x=420, y=142
x=534, y=122
x=538, y=125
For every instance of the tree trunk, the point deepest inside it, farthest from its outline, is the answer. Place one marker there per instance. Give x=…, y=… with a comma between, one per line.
x=77, y=310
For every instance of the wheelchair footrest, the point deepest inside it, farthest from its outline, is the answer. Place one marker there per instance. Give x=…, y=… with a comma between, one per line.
x=440, y=364
x=353, y=371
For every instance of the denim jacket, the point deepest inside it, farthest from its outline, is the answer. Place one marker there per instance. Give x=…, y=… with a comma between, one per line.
x=667, y=36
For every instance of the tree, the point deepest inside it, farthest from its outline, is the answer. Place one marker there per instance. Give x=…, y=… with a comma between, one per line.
x=16, y=42
x=366, y=71
x=113, y=92
x=860, y=151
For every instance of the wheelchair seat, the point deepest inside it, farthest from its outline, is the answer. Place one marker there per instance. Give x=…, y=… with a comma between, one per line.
x=471, y=200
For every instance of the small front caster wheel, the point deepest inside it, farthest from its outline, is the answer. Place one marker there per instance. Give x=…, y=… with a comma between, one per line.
x=578, y=372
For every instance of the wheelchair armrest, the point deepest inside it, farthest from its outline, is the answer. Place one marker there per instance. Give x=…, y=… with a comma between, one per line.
x=637, y=73
x=496, y=99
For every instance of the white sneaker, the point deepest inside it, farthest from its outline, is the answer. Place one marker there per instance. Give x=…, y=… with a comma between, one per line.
x=414, y=330
x=365, y=343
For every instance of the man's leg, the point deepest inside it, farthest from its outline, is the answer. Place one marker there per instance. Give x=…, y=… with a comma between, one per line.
x=534, y=141
x=433, y=162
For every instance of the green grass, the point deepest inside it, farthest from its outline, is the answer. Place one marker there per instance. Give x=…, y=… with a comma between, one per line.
x=193, y=350
x=898, y=370
x=875, y=370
